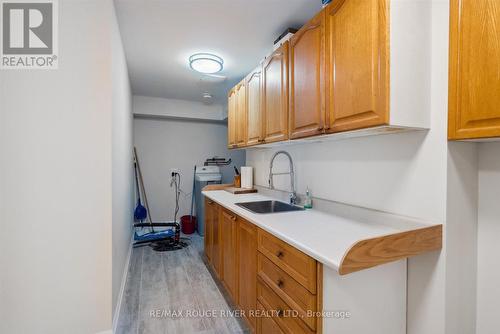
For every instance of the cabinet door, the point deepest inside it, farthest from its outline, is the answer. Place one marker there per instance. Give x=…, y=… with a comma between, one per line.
x=474, y=80
x=208, y=239
x=357, y=64
x=231, y=118
x=254, y=115
x=307, y=79
x=229, y=230
x=241, y=115
x=247, y=272
x=275, y=95
x=216, y=240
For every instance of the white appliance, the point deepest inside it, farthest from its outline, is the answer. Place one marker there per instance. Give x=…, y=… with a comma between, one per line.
x=204, y=175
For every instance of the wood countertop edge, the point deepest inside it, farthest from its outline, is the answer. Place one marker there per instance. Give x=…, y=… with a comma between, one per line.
x=211, y=187
x=391, y=247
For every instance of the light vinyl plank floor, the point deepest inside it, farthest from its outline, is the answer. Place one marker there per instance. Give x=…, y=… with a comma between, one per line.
x=176, y=281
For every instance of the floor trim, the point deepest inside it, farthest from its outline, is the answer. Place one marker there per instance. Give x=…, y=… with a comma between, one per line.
x=116, y=314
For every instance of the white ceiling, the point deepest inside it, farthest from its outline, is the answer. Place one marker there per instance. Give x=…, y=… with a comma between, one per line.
x=160, y=35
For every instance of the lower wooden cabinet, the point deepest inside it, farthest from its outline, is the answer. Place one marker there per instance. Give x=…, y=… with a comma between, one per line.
x=271, y=282
x=209, y=226
x=247, y=255
x=217, y=247
x=266, y=324
x=292, y=292
x=299, y=265
x=281, y=312
x=229, y=229
x=212, y=235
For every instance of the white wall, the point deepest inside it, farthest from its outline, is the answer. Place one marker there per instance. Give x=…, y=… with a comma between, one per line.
x=488, y=264
x=473, y=230
x=164, y=144
x=173, y=108
x=461, y=238
x=122, y=164
x=56, y=182
x=401, y=173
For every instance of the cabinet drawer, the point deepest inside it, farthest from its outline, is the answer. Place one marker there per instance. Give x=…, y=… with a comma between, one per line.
x=266, y=325
x=295, y=263
x=294, y=294
x=284, y=316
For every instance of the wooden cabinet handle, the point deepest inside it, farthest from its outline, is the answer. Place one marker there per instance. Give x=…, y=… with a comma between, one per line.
x=262, y=140
x=280, y=283
x=280, y=254
x=279, y=312
x=320, y=128
x=228, y=215
x=210, y=202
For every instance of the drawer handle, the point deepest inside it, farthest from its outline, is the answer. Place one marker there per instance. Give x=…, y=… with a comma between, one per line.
x=210, y=202
x=279, y=312
x=280, y=254
x=280, y=283
x=233, y=217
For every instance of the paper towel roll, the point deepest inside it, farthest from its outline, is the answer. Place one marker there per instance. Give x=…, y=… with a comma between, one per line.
x=247, y=177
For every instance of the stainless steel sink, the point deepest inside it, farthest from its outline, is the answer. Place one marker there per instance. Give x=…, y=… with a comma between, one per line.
x=269, y=207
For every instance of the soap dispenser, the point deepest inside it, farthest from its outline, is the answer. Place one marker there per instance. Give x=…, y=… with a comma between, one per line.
x=308, y=201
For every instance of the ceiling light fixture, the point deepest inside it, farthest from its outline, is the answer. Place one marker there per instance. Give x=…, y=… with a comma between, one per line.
x=206, y=63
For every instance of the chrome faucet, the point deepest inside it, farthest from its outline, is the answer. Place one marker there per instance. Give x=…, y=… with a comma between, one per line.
x=293, y=194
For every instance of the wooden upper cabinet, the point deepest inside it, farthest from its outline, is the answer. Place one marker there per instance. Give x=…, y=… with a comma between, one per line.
x=357, y=64
x=275, y=95
x=241, y=114
x=254, y=114
x=307, y=79
x=231, y=118
x=474, y=74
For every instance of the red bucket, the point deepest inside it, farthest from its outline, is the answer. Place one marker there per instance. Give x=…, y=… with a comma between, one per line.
x=188, y=224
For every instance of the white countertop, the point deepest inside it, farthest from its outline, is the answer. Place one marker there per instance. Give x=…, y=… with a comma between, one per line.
x=325, y=237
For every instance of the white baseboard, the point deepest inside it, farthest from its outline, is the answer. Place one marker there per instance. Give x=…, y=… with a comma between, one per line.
x=116, y=314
